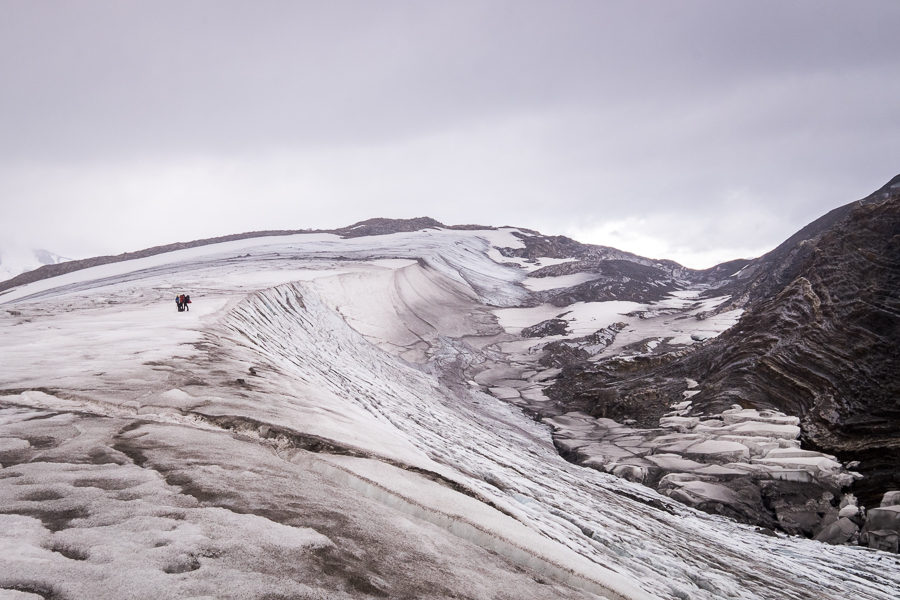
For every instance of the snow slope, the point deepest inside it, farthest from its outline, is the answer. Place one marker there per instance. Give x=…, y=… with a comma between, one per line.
x=311, y=429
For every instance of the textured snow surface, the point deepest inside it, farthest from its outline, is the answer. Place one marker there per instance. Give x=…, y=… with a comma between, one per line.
x=308, y=430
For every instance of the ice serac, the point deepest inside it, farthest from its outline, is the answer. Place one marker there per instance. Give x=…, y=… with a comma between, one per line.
x=342, y=416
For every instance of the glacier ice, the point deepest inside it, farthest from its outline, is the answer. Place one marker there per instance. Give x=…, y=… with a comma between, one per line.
x=310, y=424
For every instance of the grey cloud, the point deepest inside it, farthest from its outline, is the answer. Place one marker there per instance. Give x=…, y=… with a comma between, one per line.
x=545, y=114
x=213, y=75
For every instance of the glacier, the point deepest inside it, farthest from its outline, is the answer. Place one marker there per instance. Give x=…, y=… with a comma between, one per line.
x=320, y=425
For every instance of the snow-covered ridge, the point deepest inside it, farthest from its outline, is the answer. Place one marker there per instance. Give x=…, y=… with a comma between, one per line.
x=456, y=253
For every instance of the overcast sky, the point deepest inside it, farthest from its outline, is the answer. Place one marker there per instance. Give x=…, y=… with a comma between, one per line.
x=697, y=130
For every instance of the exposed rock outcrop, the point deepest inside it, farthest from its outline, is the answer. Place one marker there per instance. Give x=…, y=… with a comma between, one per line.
x=546, y=328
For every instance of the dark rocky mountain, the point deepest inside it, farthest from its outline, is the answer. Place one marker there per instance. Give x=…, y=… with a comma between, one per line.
x=818, y=339
x=769, y=274
x=721, y=272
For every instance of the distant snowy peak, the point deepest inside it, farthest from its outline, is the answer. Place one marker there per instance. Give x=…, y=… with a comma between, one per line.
x=45, y=257
x=15, y=261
